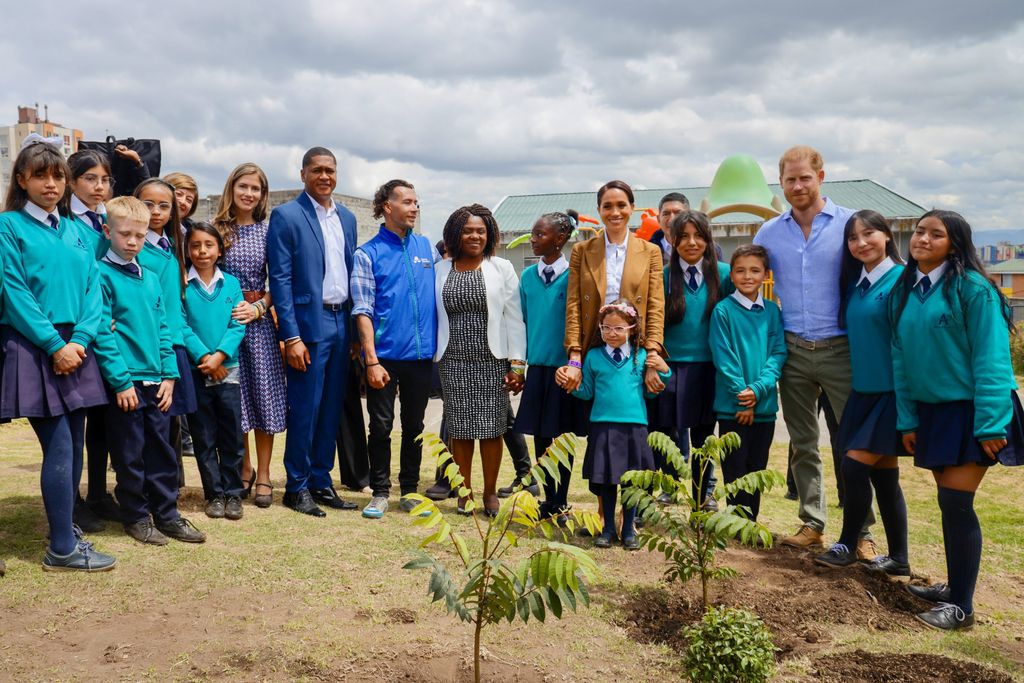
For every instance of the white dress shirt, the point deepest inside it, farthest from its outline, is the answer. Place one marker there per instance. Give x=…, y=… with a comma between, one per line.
x=193, y=274
x=747, y=303
x=877, y=272
x=934, y=276
x=686, y=272
x=335, y=270
x=37, y=212
x=626, y=349
x=614, y=262
x=559, y=267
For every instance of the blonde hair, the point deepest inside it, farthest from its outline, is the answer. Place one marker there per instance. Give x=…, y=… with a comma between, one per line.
x=183, y=181
x=801, y=153
x=126, y=209
x=226, y=218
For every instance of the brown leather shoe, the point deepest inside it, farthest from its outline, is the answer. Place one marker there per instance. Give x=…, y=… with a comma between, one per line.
x=866, y=550
x=805, y=537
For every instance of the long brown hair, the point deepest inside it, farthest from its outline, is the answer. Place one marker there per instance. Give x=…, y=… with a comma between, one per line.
x=675, y=307
x=36, y=157
x=226, y=218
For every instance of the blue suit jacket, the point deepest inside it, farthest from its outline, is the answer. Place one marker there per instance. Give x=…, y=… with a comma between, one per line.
x=295, y=259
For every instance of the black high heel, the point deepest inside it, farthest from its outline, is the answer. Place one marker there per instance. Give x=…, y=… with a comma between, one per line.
x=248, y=488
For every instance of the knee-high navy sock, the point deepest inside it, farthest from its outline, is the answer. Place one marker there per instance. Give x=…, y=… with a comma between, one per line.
x=964, y=539
x=609, y=492
x=857, y=477
x=55, y=479
x=628, y=521
x=76, y=423
x=893, y=509
x=540, y=445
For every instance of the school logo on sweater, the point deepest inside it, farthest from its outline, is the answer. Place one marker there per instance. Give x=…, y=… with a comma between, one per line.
x=880, y=297
x=80, y=244
x=943, y=321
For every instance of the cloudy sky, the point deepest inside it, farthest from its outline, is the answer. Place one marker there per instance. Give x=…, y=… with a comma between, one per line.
x=473, y=100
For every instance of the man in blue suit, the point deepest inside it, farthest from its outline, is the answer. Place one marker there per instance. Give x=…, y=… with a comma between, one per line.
x=310, y=244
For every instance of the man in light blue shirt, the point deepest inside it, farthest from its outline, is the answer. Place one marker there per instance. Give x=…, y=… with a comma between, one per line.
x=805, y=247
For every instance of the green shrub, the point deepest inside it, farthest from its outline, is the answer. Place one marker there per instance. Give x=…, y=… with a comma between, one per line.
x=729, y=646
x=1017, y=350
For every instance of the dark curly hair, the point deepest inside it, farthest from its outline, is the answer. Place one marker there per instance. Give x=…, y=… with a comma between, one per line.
x=384, y=193
x=457, y=221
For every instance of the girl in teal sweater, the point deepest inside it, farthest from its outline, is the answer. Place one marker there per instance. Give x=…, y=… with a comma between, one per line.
x=212, y=338
x=956, y=397
x=613, y=377
x=51, y=313
x=867, y=433
x=695, y=281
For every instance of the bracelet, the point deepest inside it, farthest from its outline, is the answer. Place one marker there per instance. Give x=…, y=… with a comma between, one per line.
x=370, y=365
x=256, y=311
x=292, y=342
x=519, y=369
x=575, y=364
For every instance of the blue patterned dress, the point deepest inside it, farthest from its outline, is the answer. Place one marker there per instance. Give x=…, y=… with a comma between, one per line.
x=261, y=368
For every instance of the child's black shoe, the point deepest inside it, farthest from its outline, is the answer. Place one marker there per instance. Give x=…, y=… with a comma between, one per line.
x=215, y=508
x=838, y=556
x=605, y=540
x=938, y=592
x=946, y=617
x=182, y=530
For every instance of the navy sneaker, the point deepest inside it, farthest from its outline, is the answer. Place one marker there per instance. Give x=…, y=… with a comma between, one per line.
x=946, y=617
x=838, y=556
x=84, y=558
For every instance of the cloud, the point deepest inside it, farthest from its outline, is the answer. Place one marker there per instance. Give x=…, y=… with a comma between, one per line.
x=475, y=100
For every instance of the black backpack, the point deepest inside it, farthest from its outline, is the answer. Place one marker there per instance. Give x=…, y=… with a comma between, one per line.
x=127, y=175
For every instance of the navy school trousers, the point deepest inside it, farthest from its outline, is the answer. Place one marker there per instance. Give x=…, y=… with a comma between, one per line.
x=216, y=429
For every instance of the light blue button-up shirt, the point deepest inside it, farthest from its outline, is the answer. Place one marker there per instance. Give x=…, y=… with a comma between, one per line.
x=806, y=272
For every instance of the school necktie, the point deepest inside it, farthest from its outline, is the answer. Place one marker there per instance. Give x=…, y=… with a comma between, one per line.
x=926, y=284
x=691, y=284
x=97, y=224
x=617, y=355
x=549, y=275
x=130, y=268
x=53, y=221
x=163, y=244
x=756, y=307
x=864, y=284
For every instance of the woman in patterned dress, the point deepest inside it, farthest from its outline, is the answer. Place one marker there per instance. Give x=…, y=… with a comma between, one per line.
x=241, y=219
x=481, y=343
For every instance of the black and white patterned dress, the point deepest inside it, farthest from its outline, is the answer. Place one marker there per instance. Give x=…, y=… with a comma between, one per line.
x=261, y=368
x=472, y=380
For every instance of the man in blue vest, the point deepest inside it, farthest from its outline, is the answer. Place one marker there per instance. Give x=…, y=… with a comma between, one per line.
x=310, y=242
x=393, y=306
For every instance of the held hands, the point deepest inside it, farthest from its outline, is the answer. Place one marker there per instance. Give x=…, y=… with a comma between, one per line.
x=568, y=378
x=747, y=398
x=654, y=360
x=165, y=395
x=244, y=313
x=376, y=376
x=513, y=382
x=745, y=417
x=68, y=358
x=212, y=365
x=127, y=400
x=297, y=355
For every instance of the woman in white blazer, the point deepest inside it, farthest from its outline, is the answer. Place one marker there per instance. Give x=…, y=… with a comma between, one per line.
x=481, y=343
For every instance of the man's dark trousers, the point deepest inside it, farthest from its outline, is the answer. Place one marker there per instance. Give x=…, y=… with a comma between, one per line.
x=411, y=381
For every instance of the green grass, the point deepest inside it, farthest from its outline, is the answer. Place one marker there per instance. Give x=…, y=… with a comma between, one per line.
x=282, y=596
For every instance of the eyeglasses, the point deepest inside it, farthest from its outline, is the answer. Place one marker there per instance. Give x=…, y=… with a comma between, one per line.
x=94, y=179
x=163, y=206
x=617, y=329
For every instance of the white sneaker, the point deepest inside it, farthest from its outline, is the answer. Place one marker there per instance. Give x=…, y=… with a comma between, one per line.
x=377, y=507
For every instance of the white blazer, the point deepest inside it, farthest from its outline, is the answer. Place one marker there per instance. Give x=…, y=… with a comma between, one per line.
x=506, y=331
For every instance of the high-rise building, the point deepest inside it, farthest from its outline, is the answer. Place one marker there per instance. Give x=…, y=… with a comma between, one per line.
x=29, y=121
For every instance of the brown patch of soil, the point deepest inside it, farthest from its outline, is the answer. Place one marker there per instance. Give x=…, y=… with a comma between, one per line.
x=879, y=667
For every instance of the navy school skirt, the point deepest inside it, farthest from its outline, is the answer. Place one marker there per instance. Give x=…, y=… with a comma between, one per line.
x=546, y=410
x=614, y=448
x=688, y=398
x=32, y=389
x=869, y=424
x=945, y=436
x=184, y=400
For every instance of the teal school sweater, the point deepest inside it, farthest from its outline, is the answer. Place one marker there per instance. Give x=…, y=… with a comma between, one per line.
x=939, y=355
x=870, y=334
x=749, y=350
x=165, y=266
x=50, y=278
x=140, y=349
x=687, y=340
x=98, y=240
x=209, y=326
x=617, y=389
x=544, y=313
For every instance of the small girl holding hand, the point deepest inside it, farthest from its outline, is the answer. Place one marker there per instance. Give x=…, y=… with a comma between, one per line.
x=613, y=377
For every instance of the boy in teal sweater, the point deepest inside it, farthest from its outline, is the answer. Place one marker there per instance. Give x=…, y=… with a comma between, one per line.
x=212, y=338
x=748, y=347
x=138, y=364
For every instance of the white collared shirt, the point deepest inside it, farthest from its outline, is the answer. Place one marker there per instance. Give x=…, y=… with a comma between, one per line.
x=193, y=274
x=747, y=303
x=559, y=266
x=115, y=258
x=626, y=348
x=335, y=270
x=666, y=247
x=37, y=212
x=154, y=239
x=79, y=208
x=614, y=262
x=686, y=272
x=934, y=276
x=877, y=272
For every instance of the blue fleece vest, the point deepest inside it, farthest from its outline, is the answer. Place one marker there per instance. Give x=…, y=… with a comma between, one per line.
x=404, y=317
